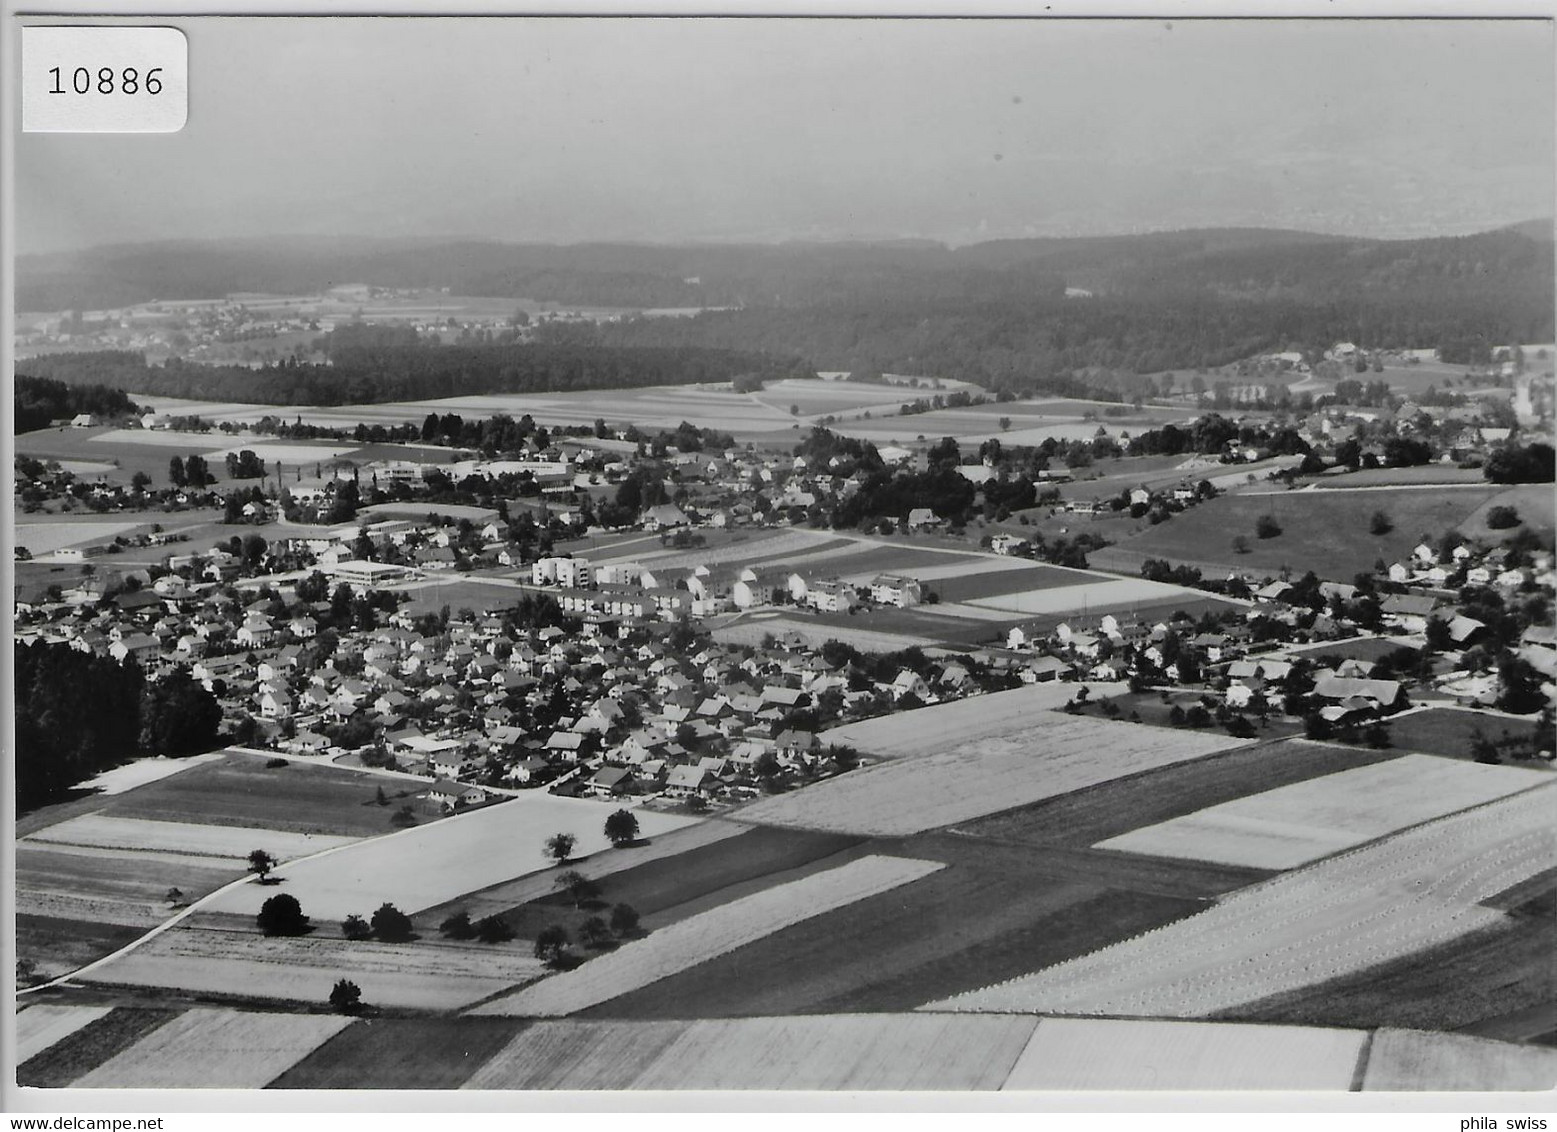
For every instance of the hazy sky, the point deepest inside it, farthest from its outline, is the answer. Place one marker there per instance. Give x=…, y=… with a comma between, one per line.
x=649, y=129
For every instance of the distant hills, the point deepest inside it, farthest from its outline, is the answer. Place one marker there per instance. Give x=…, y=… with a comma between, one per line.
x=1235, y=263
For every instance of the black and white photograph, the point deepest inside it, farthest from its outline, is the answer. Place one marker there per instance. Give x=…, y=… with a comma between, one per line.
x=788, y=555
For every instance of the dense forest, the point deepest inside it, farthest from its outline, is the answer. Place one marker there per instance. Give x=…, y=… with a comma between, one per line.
x=78, y=713
x=40, y=400
x=413, y=372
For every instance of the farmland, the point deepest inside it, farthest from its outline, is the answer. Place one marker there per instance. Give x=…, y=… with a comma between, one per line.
x=1452, y=732
x=1326, y=532
x=102, y=831
x=1087, y=1053
x=240, y=963
x=1403, y=1060
x=989, y=910
x=429, y=865
x=1347, y=913
x=214, y=1048
x=969, y=780
x=82, y=1050
x=1094, y=597
x=1293, y=825
x=709, y=935
x=926, y=730
x=401, y=1053
x=39, y=1027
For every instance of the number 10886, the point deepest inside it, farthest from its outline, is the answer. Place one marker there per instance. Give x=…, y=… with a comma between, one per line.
x=105, y=80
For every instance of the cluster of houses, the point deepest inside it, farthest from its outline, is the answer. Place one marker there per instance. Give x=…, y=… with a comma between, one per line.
x=632, y=590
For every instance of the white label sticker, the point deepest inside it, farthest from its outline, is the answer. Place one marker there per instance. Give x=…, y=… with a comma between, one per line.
x=104, y=80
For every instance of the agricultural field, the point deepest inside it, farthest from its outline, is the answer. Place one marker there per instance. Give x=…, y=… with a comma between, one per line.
x=1405, y=1060
x=703, y=874
x=1003, y=580
x=427, y=976
x=1095, y=1053
x=708, y=935
x=83, y=1050
x=1384, y=901
x=926, y=730
x=1438, y=474
x=854, y=1052
x=1090, y=597
x=1326, y=532
x=112, y=886
x=969, y=780
x=754, y=629
x=991, y=912
x=214, y=1049
x=402, y=1053
x=139, y=772
x=39, y=1027
x=241, y=790
x=1293, y=825
x=1085, y=817
x=137, y=835
x=1498, y=981
x=45, y=537
x=432, y=864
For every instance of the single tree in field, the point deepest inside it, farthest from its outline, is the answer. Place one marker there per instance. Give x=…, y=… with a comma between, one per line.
x=1377, y=735
x=1240, y=544
x=391, y=925
x=593, y=932
x=551, y=944
x=622, y=828
x=624, y=920
x=346, y=996
x=282, y=915
x=1380, y=524
x=380, y=797
x=261, y=863
x=457, y=926
x=493, y=929
x=175, y=897
x=578, y=887
x=355, y=927
x=1267, y=527
x=559, y=847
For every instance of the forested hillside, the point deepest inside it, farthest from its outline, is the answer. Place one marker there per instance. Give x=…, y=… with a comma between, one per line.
x=39, y=400
x=361, y=375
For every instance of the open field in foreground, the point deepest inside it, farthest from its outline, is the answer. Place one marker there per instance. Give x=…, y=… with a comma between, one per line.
x=422, y=975
x=709, y=935
x=864, y=1052
x=1059, y=754
x=225, y=841
x=1091, y=597
x=1093, y=1053
x=1345, y=914
x=1403, y=1060
x=436, y=863
x=1497, y=982
x=844, y=1052
x=206, y=1049
x=1292, y=825
x=131, y=775
x=112, y=886
x=402, y=1053
x=929, y=729
x=39, y=1027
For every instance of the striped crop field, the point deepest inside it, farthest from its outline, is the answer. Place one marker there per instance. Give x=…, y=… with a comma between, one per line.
x=1052, y=754
x=1368, y=906
x=215, y=1049
x=39, y=1027
x=1114, y=1053
x=1296, y=824
x=708, y=935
